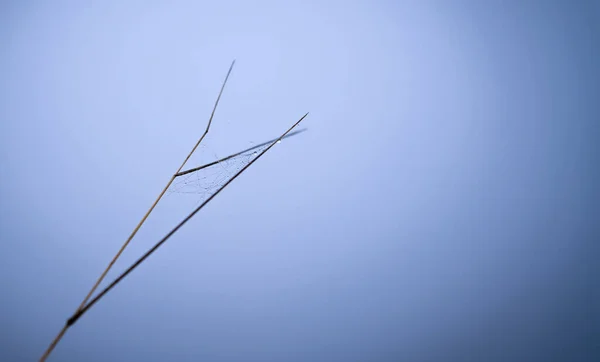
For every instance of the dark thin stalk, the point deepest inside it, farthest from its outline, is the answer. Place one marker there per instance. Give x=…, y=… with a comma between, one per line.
x=235, y=154
x=80, y=312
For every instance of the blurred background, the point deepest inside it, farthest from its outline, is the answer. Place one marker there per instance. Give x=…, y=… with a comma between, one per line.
x=441, y=206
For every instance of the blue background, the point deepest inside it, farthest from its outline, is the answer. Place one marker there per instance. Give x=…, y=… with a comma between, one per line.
x=442, y=206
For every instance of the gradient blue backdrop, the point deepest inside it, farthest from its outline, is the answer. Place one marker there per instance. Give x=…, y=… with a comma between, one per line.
x=443, y=205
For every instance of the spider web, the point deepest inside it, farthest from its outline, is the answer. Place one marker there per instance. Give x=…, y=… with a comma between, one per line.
x=207, y=179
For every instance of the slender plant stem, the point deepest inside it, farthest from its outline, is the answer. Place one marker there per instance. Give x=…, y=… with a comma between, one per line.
x=139, y=225
x=182, y=173
x=80, y=312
